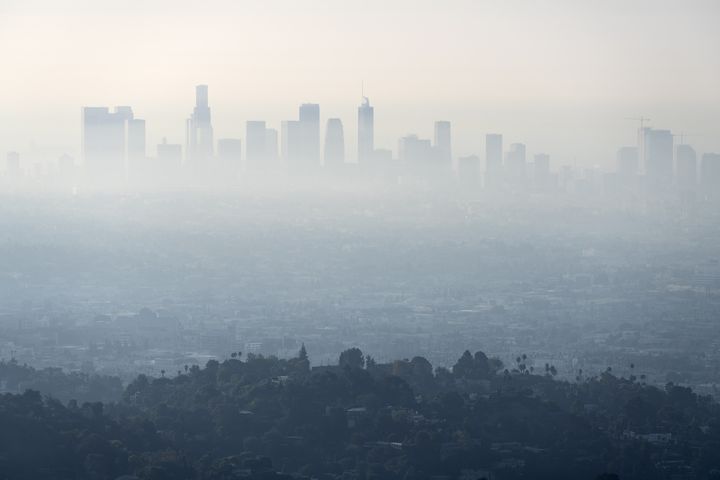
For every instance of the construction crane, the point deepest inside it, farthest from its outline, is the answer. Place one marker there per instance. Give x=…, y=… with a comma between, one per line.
x=641, y=119
x=682, y=136
x=640, y=134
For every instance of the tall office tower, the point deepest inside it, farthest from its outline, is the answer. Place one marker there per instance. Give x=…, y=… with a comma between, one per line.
x=109, y=140
x=199, y=132
x=256, y=145
x=710, y=176
x=515, y=164
x=418, y=157
x=414, y=150
x=658, y=159
x=443, y=142
x=366, y=131
x=229, y=159
x=309, y=120
x=627, y=162
x=541, y=172
x=12, y=164
x=469, y=171
x=136, y=148
x=685, y=167
x=493, y=160
x=334, y=144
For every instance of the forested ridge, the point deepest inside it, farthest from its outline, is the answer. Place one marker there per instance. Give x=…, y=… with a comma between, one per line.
x=270, y=418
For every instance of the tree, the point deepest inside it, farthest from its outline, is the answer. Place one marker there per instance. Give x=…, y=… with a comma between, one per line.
x=464, y=366
x=352, y=358
x=302, y=362
x=476, y=366
x=421, y=368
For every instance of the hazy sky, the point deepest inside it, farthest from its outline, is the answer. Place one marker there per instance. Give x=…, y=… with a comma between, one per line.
x=558, y=75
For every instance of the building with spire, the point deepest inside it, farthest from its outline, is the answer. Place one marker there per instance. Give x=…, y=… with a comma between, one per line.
x=199, y=145
x=366, y=131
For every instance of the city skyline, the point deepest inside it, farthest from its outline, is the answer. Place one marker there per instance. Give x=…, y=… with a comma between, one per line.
x=360, y=239
x=199, y=141
x=487, y=66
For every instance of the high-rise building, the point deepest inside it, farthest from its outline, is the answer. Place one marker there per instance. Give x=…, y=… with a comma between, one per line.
x=415, y=150
x=418, y=158
x=658, y=158
x=256, y=155
x=309, y=121
x=334, y=144
x=493, y=160
x=366, y=131
x=199, y=145
x=111, y=141
x=685, y=167
x=515, y=164
x=443, y=142
x=136, y=148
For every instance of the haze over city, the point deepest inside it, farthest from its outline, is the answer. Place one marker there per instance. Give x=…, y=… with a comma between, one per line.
x=487, y=66
x=344, y=240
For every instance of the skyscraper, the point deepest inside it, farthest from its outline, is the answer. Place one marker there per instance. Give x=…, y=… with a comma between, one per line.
x=685, y=167
x=417, y=157
x=109, y=140
x=493, y=160
x=199, y=145
x=515, y=164
x=658, y=158
x=136, y=148
x=443, y=142
x=366, y=131
x=413, y=149
x=309, y=121
x=256, y=145
x=334, y=144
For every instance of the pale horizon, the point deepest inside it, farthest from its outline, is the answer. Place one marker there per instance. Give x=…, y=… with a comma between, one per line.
x=558, y=76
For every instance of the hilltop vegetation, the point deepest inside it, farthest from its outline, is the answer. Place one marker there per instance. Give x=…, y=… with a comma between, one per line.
x=270, y=418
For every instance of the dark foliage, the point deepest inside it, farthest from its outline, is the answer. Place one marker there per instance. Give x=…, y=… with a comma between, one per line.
x=268, y=418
